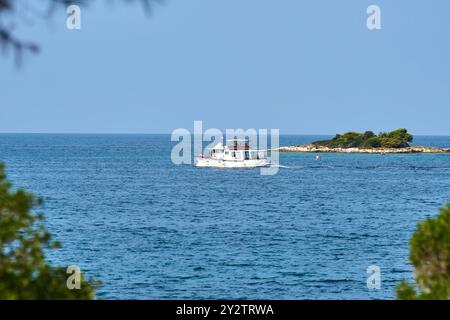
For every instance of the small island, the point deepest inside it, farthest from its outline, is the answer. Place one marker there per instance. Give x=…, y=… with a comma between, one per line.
x=396, y=141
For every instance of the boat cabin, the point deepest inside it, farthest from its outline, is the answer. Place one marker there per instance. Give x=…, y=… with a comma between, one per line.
x=236, y=150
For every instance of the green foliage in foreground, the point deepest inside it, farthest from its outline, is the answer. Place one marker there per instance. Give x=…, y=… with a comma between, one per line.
x=395, y=139
x=430, y=256
x=24, y=272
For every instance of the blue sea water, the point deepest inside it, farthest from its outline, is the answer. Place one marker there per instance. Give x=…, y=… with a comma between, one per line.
x=149, y=229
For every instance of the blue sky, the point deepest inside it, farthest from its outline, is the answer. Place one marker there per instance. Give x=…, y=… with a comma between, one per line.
x=307, y=67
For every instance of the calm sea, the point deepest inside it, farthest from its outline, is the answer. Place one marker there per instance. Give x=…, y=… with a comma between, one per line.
x=150, y=229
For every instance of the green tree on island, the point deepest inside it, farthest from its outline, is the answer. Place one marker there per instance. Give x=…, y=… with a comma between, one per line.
x=24, y=272
x=430, y=256
x=399, y=138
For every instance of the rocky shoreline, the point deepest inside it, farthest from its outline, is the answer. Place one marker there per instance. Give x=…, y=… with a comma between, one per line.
x=319, y=149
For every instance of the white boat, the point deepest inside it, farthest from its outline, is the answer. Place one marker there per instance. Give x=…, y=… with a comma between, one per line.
x=236, y=154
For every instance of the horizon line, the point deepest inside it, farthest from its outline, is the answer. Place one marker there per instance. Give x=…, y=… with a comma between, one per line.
x=165, y=133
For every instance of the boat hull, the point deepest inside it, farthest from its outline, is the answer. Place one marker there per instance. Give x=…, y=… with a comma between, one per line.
x=216, y=163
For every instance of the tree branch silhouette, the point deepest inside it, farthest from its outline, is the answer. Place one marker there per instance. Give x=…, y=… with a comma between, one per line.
x=15, y=10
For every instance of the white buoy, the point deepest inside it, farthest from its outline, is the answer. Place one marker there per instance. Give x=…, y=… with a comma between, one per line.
x=317, y=157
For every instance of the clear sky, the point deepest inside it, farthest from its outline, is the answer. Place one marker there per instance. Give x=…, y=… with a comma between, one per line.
x=300, y=66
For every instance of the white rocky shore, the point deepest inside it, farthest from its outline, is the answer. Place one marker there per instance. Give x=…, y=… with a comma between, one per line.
x=318, y=149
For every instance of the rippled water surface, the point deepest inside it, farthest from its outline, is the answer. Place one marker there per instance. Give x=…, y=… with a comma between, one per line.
x=149, y=229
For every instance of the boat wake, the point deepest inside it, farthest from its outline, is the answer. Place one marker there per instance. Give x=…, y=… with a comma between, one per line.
x=287, y=167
